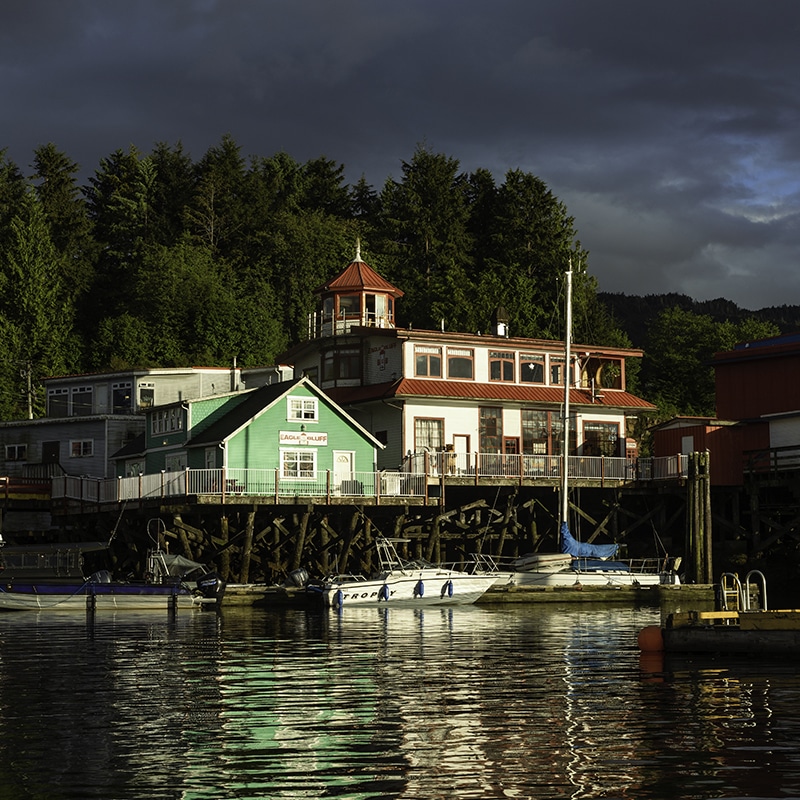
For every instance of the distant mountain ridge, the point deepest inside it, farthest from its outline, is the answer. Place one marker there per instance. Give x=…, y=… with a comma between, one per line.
x=633, y=313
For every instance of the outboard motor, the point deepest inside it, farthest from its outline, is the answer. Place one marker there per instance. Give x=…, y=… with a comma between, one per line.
x=299, y=577
x=211, y=586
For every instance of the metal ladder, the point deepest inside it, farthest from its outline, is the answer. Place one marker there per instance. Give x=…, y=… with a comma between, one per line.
x=735, y=596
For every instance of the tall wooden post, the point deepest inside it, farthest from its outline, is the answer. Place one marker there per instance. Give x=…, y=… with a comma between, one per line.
x=247, y=548
x=698, y=539
x=707, y=519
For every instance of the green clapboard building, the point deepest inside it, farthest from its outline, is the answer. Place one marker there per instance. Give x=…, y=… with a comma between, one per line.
x=291, y=429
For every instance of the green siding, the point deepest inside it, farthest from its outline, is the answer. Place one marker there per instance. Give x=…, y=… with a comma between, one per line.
x=209, y=410
x=258, y=445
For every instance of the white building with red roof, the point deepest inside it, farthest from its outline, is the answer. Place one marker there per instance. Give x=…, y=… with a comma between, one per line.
x=468, y=396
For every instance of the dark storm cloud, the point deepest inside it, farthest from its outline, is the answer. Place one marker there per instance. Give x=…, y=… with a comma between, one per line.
x=671, y=131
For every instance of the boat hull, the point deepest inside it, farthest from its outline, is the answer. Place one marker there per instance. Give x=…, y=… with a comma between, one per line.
x=418, y=589
x=571, y=578
x=99, y=597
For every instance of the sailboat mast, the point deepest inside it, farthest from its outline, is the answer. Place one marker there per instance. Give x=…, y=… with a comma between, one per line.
x=567, y=381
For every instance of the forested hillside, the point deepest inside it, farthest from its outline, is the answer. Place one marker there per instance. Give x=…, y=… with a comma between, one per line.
x=634, y=313
x=163, y=260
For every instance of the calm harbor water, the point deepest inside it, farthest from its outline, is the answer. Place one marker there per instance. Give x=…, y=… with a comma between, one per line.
x=470, y=702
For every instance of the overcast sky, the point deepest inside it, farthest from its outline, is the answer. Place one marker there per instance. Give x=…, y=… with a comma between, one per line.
x=671, y=130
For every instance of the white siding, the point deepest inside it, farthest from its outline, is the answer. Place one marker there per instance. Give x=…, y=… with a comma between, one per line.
x=784, y=432
x=382, y=360
x=458, y=419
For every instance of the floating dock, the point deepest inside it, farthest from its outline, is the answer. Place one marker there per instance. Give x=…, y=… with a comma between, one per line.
x=670, y=596
x=757, y=632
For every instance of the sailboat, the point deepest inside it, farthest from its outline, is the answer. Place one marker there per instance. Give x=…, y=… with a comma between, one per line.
x=581, y=563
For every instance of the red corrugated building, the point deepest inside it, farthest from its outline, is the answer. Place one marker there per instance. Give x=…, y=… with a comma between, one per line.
x=758, y=412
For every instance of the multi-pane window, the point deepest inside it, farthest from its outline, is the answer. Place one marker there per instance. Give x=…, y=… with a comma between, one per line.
x=535, y=432
x=556, y=370
x=303, y=408
x=459, y=362
x=428, y=434
x=175, y=462
x=81, y=401
x=531, y=368
x=427, y=361
x=600, y=438
x=501, y=366
x=57, y=402
x=121, y=398
x=16, y=452
x=81, y=448
x=344, y=362
x=166, y=421
x=490, y=431
x=299, y=464
x=375, y=310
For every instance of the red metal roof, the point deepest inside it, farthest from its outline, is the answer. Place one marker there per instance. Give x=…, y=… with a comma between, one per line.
x=468, y=390
x=359, y=276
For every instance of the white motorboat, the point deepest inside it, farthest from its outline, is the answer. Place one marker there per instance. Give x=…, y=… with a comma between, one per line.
x=407, y=583
x=37, y=577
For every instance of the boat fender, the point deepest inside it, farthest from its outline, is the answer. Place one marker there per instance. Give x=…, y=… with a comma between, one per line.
x=338, y=599
x=447, y=589
x=651, y=639
x=383, y=593
x=419, y=589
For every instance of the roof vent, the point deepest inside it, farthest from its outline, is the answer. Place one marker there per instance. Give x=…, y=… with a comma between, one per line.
x=500, y=321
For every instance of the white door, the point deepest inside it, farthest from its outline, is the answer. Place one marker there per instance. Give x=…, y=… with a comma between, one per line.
x=343, y=471
x=461, y=446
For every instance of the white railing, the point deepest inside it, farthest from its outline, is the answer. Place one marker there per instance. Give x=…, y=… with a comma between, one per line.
x=267, y=483
x=500, y=465
x=419, y=472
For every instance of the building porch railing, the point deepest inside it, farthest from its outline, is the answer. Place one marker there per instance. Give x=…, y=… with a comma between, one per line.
x=416, y=480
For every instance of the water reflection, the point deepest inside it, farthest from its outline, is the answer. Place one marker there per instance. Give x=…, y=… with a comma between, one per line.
x=383, y=703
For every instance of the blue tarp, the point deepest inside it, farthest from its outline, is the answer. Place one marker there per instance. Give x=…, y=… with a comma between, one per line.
x=578, y=549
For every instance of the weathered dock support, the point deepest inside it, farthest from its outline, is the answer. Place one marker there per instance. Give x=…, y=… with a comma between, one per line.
x=699, y=558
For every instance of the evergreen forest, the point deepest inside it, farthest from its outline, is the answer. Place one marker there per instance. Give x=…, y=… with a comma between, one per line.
x=163, y=260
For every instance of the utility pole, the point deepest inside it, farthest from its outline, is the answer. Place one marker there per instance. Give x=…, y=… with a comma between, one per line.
x=26, y=374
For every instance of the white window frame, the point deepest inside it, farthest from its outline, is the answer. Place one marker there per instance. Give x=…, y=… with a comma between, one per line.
x=166, y=420
x=81, y=448
x=81, y=390
x=293, y=457
x=63, y=395
x=175, y=462
x=16, y=452
x=145, y=385
x=302, y=409
x=121, y=385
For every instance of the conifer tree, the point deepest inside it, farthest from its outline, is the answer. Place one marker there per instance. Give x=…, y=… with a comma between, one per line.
x=35, y=314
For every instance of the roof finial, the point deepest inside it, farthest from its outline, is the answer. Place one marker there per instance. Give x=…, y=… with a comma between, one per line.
x=358, y=248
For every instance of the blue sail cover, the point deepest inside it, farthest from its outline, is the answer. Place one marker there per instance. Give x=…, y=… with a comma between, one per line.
x=578, y=549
